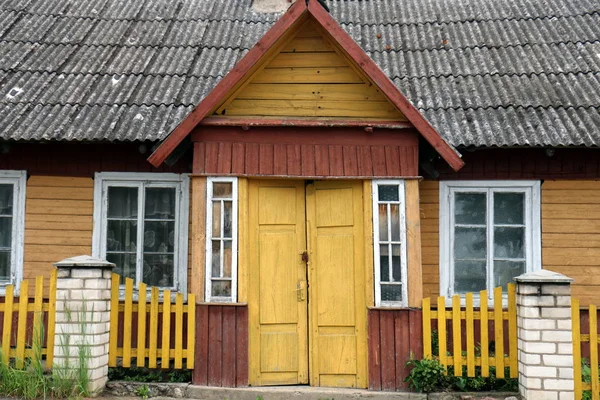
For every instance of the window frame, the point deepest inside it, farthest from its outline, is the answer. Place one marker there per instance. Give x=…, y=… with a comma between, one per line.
x=103, y=180
x=532, y=222
x=208, y=297
x=376, y=242
x=19, y=181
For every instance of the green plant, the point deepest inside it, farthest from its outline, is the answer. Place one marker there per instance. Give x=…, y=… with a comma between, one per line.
x=143, y=391
x=426, y=375
x=143, y=374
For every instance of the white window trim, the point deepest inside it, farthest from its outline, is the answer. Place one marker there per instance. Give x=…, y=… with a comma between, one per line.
x=234, y=243
x=19, y=181
x=403, y=264
x=533, y=242
x=104, y=179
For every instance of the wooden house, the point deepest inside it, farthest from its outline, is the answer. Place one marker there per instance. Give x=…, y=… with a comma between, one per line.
x=353, y=158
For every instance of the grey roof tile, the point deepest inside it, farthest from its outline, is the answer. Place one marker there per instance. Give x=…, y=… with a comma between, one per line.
x=107, y=32
x=131, y=60
x=15, y=5
x=189, y=33
x=172, y=60
x=90, y=59
x=30, y=28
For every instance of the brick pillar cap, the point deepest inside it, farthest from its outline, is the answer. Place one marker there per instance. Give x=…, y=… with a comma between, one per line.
x=84, y=262
x=543, y=276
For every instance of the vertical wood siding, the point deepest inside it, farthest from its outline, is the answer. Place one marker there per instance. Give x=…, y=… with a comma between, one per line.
x=310, y=78
x=394, y=337
x=430, y=226
x=221, y=346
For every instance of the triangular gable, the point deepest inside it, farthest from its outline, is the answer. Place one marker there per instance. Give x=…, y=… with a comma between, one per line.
x=266, y=50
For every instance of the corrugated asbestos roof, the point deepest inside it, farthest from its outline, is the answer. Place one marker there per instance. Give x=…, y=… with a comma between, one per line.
x=483, y=72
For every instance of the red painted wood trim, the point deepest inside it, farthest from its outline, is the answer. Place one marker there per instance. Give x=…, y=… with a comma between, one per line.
x=212, y=100
x=374, y=350
x=241, y=349
x=331, y=123
x=229, y=354
x=388, y=351
x=357, y=54
x=215, y=345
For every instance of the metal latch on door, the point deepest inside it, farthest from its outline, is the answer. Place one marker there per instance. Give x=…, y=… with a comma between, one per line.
x=300, y=291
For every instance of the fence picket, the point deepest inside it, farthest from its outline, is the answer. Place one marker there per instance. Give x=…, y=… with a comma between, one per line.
x=499, y=333
x=152, y=353
x=38, y=320
x=127, y=319
x=7, y=324
x=576, y=328
x=470, y=335
x=427, y=328
x=484, y=337
x=456, y=335
x=594, y=351
x=179, y=330
x=22, y=324
x=114, y=320
x=512, y=330
x=141, y=339
x=166, y=335
x=51, y=319
x=442, y=339
x=191, y=337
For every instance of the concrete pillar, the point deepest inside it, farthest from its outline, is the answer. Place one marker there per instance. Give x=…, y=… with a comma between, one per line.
x=83, y=317
x=545, y=340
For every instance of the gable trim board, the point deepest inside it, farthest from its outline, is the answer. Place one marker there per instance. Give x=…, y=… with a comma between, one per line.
x=262, y=51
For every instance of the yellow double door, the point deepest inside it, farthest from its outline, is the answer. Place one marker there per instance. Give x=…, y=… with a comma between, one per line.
x=306, y=293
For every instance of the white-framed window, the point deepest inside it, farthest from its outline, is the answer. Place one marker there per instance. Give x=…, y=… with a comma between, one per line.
x=141, y=225
x=12, y=226
x=221, y=239
x=489, y=233
x=389, y=243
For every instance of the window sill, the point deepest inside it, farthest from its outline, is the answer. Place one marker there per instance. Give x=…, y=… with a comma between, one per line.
x=218, y=303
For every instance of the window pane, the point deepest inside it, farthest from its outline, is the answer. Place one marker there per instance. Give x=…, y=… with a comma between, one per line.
x=469, y=276
x=160, y=203
x=395, y=215
x=221, y=289
x=388, y=193
x=159, y=237
x=469, y=208
x=383, y=223
x=122, y=202
x=396, y=270
x=227, y=258
x=216, y=259
x=5, y=232
x=469, y=243
x=227, y=219
x=124, y=265
x=121, y=236
x=391, y=293
x=6, y=199
x=216, y=219
x=158, y=270
x=4, y=266
x=505, y=271
x=509, y=208
x=384, y=263
x=222, y=189
x=509, y=242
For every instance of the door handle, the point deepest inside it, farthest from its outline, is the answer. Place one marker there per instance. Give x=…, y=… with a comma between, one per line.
x=300, y=291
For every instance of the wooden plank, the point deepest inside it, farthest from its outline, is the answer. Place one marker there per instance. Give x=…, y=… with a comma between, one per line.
x=368, y=240
x=483, y=326
x=238, y=158
x=241, y=346
x=280, y=159
x=308, y=75
x=322, y=160
x=141, y=326
x=229, y=355
x=215, y=345
x=594, y=351
x=512, y=330
x=127, y=317
x=576, y=329
x=456, y=336
x=442, y=338
x=498, y=333
x=307, y=45
x=7, y=322
x=58, y=237
x=38, y=319
x=265, y=160
x=402, y=344
x=413, y=243
x=470, y=325
x=51, y=319
x=22, y=324
x=311, y=91
x=166, y=332
x=59, y=181
x=336, y=160
x=191, y=332
x=388, y=351
x=224, y=158
x=294, y=160
x=374, y=350
x=198, y=245
x=308, y=160
x=200, y=375
x=179, y=331
x=243, y=251
x=427, y=353
x=153, y=343
x=60, y=193
x=304, y=60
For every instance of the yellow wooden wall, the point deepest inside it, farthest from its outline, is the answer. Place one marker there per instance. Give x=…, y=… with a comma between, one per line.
x=570, y=235
x=309, y=77
x=58, y=222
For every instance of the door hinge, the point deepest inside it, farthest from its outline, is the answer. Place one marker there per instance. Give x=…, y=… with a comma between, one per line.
x=304, y=255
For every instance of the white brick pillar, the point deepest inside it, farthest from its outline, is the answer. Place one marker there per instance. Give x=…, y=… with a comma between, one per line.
x=545, y=343
x=83, y=318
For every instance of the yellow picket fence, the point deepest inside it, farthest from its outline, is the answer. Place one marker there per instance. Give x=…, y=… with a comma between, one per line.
x=28, y=338
x=154, y=340
x=578, y=339
x=462, y=320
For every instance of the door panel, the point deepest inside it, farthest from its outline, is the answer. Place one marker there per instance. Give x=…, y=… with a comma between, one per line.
x=278, y=311
x=337, y=305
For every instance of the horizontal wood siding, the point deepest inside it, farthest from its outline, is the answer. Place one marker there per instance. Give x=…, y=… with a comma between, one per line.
x=221, y=346
x=58, y=222
x=570, y=234
x=305, y=152
x=394, y=337
x=310, y=78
